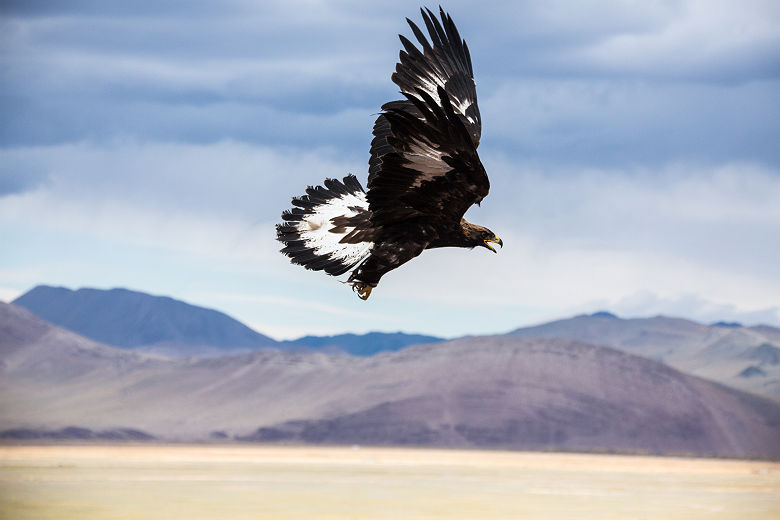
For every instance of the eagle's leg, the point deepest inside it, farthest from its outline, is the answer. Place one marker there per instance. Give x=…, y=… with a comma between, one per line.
x=384, y=257
x=363, y=289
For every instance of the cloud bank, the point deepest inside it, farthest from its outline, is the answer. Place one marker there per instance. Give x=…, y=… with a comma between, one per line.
x=631, y=149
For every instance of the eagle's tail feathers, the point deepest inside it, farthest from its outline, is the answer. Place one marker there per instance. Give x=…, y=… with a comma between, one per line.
x=329, y=228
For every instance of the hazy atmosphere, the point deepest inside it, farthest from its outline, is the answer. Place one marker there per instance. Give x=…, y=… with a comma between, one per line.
x=631, y=146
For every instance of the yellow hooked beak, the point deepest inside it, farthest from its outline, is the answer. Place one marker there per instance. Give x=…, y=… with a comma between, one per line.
x=495, y=240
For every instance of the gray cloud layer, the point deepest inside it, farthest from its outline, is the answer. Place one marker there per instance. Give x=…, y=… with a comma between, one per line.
x=601, y=83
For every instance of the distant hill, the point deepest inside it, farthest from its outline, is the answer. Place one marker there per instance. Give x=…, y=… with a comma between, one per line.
x=136, y=320
x=721, y=352
x=163, y=325
x=496, y=392
x=44, y=365
x=361, y=344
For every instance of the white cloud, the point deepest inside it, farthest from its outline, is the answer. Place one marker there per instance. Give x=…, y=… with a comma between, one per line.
x=528, y=272
x=222, y=179
x=124, y=214
x=8, y=295
x=591, y=235
x=646, y=303
x=703, y=38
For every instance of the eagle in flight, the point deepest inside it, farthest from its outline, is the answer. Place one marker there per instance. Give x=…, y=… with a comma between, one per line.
x=424, y=173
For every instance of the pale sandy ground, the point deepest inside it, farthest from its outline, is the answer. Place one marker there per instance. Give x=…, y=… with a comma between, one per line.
x=280, y=483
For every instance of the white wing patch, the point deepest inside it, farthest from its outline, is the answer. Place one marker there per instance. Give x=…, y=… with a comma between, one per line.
x=426, y=160
x=430, y=84
x=315, y=229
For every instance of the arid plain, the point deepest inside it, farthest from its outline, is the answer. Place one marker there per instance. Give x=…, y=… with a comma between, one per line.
x=254, y=482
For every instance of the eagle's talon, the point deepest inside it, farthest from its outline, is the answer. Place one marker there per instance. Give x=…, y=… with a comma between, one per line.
x=363, y=290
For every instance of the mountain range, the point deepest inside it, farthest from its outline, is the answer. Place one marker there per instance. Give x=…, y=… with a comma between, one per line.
x=743, y=357
x=747, y=358
x=134, y=320
x=487, y=392
x=163, y=325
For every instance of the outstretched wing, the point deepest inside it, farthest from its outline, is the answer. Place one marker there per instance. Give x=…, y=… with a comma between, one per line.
x=433, y=171
x=423, y=156
x=445, y=64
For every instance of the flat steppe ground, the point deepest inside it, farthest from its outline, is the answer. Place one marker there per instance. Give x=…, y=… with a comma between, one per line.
x=279, y=483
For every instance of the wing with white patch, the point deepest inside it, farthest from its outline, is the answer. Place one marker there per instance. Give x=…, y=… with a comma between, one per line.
x=444, y=63
x=329, y=229
x=423, y=156
x=447, y=64
x=431, y=168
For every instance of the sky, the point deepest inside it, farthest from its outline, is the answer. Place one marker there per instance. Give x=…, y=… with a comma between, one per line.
x=632, y=149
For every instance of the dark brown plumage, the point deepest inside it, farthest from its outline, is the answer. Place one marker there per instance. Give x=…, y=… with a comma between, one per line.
x=424, y=173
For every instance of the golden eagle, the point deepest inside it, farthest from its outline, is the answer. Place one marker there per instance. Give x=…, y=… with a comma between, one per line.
x=424, y=173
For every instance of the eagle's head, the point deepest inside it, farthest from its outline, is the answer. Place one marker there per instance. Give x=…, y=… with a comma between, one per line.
x=481, y=236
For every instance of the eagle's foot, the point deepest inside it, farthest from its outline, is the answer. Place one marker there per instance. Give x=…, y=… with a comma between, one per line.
x=362, y=289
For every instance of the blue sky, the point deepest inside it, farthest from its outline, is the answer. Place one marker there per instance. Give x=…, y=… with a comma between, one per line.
x=631, y=146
